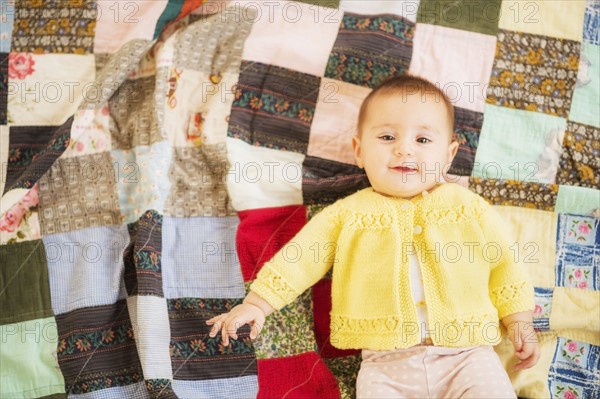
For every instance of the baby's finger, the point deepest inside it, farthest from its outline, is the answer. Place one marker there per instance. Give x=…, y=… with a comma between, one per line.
x=522, y=354
x=212, y=320
x=518, y=344
x=255, y=328
x=215, y=329
x=224, y=338
x=525, y=364
x=527, y=351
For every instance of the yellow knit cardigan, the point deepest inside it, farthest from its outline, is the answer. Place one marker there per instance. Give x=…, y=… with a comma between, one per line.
x=471, y=276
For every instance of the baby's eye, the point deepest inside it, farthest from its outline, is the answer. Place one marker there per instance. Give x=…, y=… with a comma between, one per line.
x=386, y=137
x=423, y=140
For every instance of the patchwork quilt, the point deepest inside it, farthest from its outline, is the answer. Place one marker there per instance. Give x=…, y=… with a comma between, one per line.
x=155, y=154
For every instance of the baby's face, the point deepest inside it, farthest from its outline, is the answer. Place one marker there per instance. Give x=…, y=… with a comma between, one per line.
x=404, y=143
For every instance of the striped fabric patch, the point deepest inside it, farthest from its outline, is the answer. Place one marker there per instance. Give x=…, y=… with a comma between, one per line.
x=273, y=107
x=325, y=181
x=32, y=150
x=370, y=49
x=467, y=126
x=96, y=348
x=142, y=256
x=196, y=356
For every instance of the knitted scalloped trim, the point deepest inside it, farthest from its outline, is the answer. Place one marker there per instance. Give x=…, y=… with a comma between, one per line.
x=278, y=285
x=370, y=221
x=459, y=214
x=391, y=324
x=507, y=293
x=364, y=326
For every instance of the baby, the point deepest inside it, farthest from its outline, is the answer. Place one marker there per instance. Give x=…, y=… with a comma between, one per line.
x=422, y=270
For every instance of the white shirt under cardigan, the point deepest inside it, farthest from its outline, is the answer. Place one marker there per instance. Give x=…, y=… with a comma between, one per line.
x=418, y=293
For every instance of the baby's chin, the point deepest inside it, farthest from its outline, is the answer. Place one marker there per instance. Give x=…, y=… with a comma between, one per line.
x=405, y=193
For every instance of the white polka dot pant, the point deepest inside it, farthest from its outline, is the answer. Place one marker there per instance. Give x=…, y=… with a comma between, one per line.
x=433, y=372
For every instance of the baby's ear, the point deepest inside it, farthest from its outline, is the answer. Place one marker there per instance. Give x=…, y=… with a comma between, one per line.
x=357, y=152
x=452, y=149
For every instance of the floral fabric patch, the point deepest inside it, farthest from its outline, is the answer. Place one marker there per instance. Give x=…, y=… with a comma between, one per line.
x=54, y=26
x=31, y=152
x=96, y=348
x=573, y=371
x=516, y=193
x=591, y=22
x=467, y=127
x=142, y=257
x=4, y=88
x=194, y=354
x=578, y=246
x=289, y=331
x=371, y=48
x=273, y=107
x=543, y=308
x=534, y=73
x=579, y=163
x=21, y=222
x=325, y=181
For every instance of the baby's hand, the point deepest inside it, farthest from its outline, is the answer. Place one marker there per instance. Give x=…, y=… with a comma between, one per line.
x=527, y=350
x=523, y=338
x=229, y=323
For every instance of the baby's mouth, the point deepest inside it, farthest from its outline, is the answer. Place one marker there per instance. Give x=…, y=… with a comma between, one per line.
x=405, y=169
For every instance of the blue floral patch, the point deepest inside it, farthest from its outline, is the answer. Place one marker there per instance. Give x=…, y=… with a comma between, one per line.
x=578, y=252
x=573, y=372
x=591, y=22
x=543, y=308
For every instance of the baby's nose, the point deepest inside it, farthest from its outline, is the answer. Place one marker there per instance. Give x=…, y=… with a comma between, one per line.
x=403, y=148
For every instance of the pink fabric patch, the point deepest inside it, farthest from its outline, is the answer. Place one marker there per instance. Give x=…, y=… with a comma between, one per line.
x=335, y=120
x=281, y=29
x=459, y=61
x=119, y=22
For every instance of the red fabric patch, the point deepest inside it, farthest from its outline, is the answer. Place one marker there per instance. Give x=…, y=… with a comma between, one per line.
x=300, y=376
x=321, y=293
x=262, y=232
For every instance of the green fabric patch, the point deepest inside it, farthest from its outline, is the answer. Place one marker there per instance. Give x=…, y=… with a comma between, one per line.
x=577, y=200
x=474, y=16
x=586, y=96
x=345, y=369
x=517, y=145
x=24, y=286
x=323, y=3
x=170, y=12
x=28, y=364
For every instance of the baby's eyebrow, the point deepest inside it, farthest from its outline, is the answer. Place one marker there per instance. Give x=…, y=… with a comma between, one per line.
x=382, y=125
x=430, y=128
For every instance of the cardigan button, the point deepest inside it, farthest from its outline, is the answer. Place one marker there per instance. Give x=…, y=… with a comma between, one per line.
x=406, y=206
x=417, y=229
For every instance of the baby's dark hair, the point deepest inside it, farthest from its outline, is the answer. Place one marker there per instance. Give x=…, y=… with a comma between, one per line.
x=407, y=84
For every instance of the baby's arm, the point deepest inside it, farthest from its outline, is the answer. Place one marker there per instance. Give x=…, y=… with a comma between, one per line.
x=282, y=279
x=252, y=311
x=524, y=339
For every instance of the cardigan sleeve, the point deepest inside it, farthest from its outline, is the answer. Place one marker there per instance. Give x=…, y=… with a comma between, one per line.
x=300, y=263
x=510, y=288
